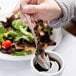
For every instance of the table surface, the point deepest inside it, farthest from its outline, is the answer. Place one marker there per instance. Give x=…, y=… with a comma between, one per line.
x=67, y=49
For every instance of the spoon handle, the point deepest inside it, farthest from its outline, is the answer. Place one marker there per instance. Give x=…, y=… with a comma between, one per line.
x=38, y=49
x=29, y=23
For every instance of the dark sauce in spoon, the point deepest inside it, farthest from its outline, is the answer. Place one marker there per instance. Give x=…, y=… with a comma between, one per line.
x=40, y=69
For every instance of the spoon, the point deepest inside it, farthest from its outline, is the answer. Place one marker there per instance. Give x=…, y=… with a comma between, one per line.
x=41, y=58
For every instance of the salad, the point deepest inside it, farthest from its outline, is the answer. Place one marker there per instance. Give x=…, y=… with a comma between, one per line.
x=16, y=38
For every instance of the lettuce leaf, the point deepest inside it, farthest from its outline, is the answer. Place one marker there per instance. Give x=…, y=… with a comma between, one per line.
x=2, y=30
x=20, y=35
x=22, y=31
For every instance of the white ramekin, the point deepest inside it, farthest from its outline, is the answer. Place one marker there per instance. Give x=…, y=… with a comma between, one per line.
x=35, y=72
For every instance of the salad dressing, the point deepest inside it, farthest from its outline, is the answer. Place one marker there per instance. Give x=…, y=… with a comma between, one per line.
x=54, y=66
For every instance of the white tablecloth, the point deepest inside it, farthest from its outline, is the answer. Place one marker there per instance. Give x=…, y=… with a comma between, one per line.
x=67, y=49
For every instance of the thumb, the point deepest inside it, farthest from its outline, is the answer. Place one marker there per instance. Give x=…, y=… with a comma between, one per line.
x=29, y=9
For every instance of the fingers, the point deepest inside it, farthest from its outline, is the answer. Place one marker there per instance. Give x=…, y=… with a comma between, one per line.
x=25, y=21
x=23, y=18
x=31, y=9
x=33, y=21
x=17, y=8
x=32, y=18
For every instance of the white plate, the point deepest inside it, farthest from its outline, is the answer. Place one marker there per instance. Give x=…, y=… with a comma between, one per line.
x=57, y=36
x=6, y=8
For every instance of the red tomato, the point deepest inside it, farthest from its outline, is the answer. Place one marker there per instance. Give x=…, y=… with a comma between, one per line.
x=6, y=44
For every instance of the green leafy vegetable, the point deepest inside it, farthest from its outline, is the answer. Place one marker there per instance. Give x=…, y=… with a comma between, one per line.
x=28, y=52
x=17, y=15
x=28, y=34
x=1, y=38
x=47, y=29
x=2, y=30
x=10, y=35
x=18, y=24
x=20, y=35
x=21, y=53
x=22, y=31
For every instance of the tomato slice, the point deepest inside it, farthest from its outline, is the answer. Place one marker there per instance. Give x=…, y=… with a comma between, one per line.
x=6, y=44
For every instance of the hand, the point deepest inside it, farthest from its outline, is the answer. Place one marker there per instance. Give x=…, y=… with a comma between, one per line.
x=40, y=9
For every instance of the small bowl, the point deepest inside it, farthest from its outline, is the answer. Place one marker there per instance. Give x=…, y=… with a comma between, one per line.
x=54, y=55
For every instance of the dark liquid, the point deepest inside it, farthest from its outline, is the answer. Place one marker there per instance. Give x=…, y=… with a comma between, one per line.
x=39, y=68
